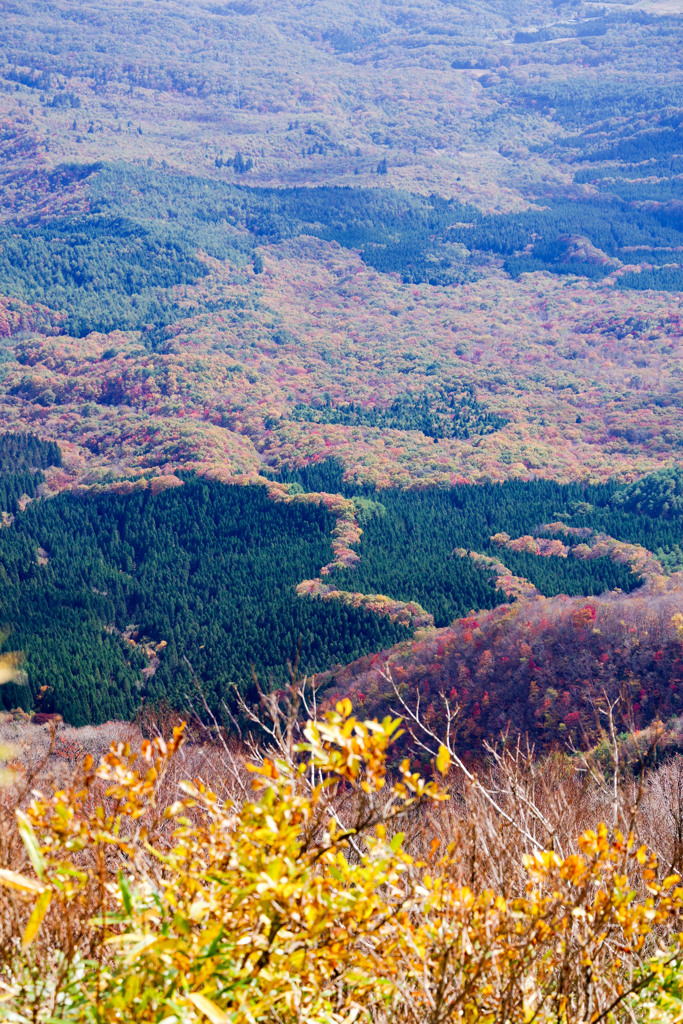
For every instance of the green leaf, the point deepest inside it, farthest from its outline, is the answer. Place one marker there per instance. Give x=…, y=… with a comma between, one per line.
x=213, y=948
x=397, y=842
x=31, y=844
x=125, y=893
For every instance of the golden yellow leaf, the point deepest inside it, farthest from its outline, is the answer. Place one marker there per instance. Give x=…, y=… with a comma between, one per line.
x=10, y=667
x=36, y=919
x=443, y=760
x=13, y=880
x=208, y=1008
x=344, y=707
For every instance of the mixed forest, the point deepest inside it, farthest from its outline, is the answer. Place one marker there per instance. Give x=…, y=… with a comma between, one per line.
x=326, y=331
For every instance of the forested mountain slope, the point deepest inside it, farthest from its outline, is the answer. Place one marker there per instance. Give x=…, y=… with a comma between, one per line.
x=280, y=221
x=119, y=595
x=438, y=244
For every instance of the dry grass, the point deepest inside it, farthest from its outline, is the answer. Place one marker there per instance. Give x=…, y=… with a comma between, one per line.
x=539, y=802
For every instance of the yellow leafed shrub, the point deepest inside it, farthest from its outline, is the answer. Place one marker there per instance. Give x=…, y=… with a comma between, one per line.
x=301, y=902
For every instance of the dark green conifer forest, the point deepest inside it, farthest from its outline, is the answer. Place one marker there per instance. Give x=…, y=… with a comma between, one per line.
x=118, y=597
x=210, y=570
x=407, y=550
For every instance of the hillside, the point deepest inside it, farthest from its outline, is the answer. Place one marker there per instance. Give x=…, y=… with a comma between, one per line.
x=340, y=250
x=524, y=241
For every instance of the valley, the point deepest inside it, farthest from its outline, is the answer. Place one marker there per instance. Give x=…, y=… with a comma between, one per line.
x=407, y=275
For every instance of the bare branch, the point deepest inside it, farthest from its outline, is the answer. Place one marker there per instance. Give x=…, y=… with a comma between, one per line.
x=414, y=717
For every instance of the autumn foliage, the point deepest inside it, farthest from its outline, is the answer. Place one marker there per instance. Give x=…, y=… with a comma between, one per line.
x=538, y=668
x=303, y=901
